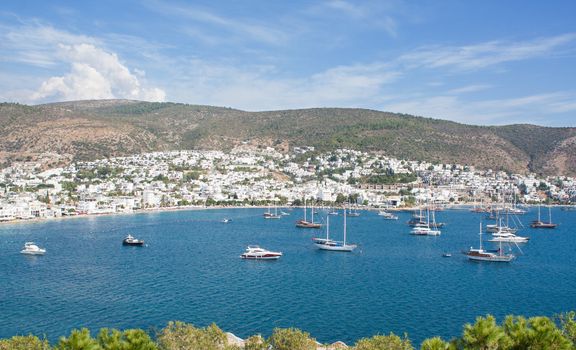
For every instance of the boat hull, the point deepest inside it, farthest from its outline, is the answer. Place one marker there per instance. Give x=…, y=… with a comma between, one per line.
x=335, y=248
x=504, y=258
x=262, y=257
x=40, y=252
x=133, y=244
x=306, y=224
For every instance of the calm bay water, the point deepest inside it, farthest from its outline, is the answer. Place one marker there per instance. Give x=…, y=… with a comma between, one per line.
x=191, y=271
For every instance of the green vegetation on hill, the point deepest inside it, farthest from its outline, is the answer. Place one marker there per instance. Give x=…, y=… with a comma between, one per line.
x=515, y=333
x=88, y=130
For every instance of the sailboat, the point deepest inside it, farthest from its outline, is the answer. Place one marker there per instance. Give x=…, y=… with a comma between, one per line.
x=428, y=228
x=481, y=254
x=269, y=215
x=353, y=213
x=330, y=244
x=305, y=223
x=540, y=224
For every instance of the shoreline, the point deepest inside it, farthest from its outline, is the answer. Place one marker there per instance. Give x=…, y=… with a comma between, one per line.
x=219, y=207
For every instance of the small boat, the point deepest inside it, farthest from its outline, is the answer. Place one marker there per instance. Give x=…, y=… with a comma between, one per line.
x=446, y=255
x=226, y=220
x=30, y=248
x=131, y=241
x=256, y=253
x=283, y=213
x=387, y=215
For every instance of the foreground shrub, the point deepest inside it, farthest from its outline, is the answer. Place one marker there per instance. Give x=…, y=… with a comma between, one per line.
x=485, y=334
x=130, y=339
x=179, y=336
x=255, y=342
x=78, y=340
x=384, y=342
x=435, y=343
x=568, y=326
x=535, y=333
x=27, y=342
x=291, y=339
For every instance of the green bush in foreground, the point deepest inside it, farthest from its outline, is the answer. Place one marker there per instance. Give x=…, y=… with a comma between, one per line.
x=28, y=342
x=515, y=333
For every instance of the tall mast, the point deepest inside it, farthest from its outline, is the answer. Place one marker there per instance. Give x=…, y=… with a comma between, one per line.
x=344, y=226
x=480, y=235
x=304, y=208
x=312, y=210
x=327, y=227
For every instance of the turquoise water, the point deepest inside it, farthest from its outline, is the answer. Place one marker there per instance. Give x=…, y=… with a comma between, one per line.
x=190, y=270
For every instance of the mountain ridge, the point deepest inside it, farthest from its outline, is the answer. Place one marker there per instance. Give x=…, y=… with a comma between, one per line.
x=92, y=129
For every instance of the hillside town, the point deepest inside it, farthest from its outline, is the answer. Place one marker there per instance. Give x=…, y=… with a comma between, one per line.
x=253, y=176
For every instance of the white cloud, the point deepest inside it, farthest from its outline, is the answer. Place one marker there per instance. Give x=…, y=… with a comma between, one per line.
x=254, y=88
x=239, y=29
x=95, y=74
x=35, y=43
x=473, y=57
x=375, y=14
x=469, y=88
x=525, y=109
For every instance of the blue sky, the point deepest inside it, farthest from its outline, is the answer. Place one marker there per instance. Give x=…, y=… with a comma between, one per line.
x=478, y=62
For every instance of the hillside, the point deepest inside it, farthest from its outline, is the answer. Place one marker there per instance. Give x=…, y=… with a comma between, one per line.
x=86, y=130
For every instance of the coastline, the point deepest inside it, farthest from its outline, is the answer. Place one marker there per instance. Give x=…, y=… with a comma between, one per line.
x=463, y=206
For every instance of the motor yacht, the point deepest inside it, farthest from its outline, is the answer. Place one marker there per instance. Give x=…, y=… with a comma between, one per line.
x=131, y=241
x=257, y=253
x=30, y=248
x=424, y=230
x=508, y=237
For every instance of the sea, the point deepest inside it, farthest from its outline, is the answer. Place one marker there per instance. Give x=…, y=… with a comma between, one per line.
x=190, y=270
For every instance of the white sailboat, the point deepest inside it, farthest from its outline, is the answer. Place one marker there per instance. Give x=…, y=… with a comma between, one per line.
x=426, y=229
x=330, y=244
x=269, y=215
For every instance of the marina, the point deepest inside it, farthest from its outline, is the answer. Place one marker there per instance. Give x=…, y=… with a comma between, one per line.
x=89, y=280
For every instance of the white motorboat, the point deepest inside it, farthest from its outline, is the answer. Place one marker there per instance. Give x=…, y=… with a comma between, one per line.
x=226, y=220
x=424, y=230
x=131, y=241
x=257, y=253
x=387, y=215
x=507, y=237
x=30, y=248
